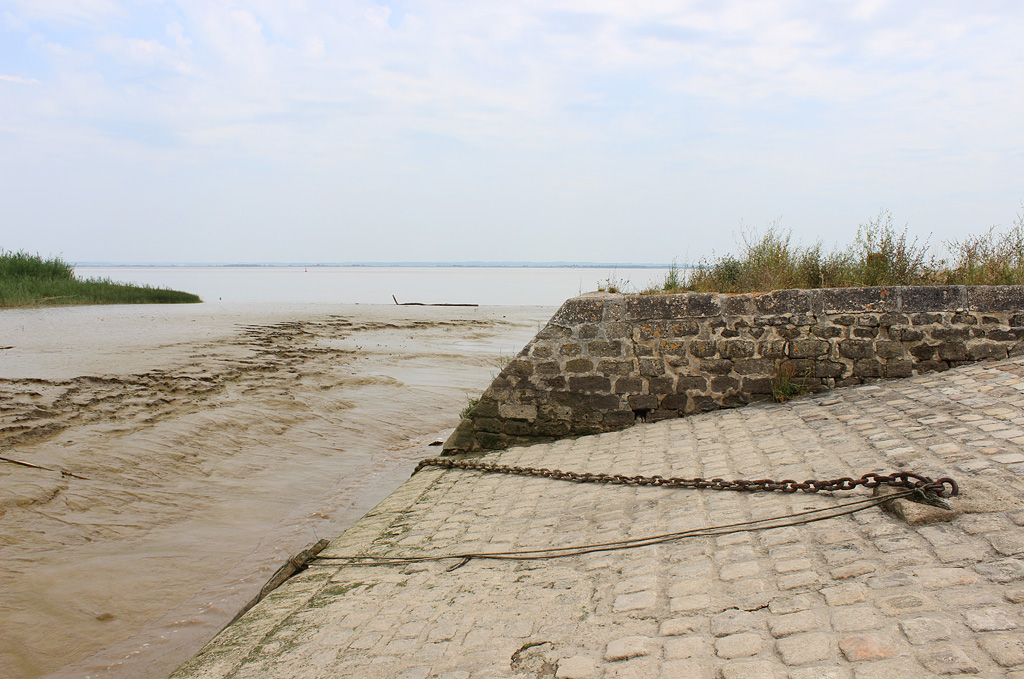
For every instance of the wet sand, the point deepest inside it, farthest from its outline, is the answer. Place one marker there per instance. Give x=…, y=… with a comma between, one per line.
x=212, y=442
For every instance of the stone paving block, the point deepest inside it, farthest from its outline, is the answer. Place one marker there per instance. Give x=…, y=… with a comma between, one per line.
x=683, y=669
x=855, y=618
x=804, y=649
x=756, y=669
x=947, y=659
x=680, y=648
x=738, y=645
x=844, y=594
x=992, y=619
x=798, y=622
x=681, y=626
x=629, y=647
x=1006, y=649
x=858, y=647
x=820, y=672
x=925, y=630
x=577, y=667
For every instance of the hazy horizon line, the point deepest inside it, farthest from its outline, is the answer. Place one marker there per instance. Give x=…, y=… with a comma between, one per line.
x=463, y=264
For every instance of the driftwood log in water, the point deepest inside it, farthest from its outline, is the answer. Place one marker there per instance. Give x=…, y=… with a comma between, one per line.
x=424, y=304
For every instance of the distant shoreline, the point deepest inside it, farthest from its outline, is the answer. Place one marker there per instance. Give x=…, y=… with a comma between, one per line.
x=383, y=265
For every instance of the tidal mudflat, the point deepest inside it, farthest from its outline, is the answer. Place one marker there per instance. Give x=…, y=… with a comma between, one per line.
x=202, y=446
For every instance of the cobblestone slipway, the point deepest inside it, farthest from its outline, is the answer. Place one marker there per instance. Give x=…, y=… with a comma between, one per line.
x=862, y=596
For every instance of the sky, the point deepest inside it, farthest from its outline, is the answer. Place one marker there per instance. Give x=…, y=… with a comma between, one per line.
x=519, y=130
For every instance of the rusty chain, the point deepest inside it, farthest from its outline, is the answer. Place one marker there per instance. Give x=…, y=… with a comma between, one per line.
x=908, y=480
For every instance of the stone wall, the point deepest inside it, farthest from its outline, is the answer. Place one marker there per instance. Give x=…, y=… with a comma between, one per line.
x=606, y=361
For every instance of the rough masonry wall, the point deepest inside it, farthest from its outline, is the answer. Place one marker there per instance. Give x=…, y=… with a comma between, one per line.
x=605, y=361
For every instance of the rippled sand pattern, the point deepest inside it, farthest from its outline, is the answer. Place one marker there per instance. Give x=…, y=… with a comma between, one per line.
x=189, y=483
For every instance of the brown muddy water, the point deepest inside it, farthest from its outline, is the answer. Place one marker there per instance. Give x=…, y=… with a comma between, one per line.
x=205, y=445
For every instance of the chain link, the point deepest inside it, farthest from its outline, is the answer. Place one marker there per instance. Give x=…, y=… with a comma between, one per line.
x=909, y=480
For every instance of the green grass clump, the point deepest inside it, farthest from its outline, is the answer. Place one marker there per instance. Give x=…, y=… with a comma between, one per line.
x=880, y=255
x=30, y=280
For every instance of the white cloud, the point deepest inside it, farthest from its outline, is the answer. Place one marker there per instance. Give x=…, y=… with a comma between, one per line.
x=18, y=79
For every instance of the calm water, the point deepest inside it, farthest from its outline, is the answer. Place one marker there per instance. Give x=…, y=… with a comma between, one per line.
x=376, y=285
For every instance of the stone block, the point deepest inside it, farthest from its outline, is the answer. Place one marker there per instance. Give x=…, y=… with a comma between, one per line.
x=519, y=368
x=950, y=334
x=590, y=384
x=619, y=418
x=702, y=404
x=617, y=330
x=925, y=319
x=722, y=384
x=890, y=319
x=547, y=368
x=754, y=366
x=683, y=328
x=756, y=385
x=607, y=367
x=808, y=348
x=964, y=319
x=517, y=412
x=649, y=330
x=953, y=351
x=826, y=368
x=859, y=300
x=932, y=298
x=772, y=348
x=738, y=305
x=867, y=368
x=688, y=382
x=981, y=350
x=662, y=414
x=736, y=348
x=674, y=402
x=554, y=332
x=604, y=349
x=579, y=310
x=782, y=302
x=898, y=369
x=629, y=385
x=865, y=333
x=647, y=307
x=828, y=331
x=652, y=367
x=667, y=348
x=716, y=366
x=644, y=401
x=694, y=304
x=857, y=349
x=1001, y=335
x=588, y=331
x=660, y=385
x=703, y=348
x=931, y=366
x=570, y=350
x=888, y=349
x=604, y=402
x=579, y=365
x=923, y=352
x=995, y=298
